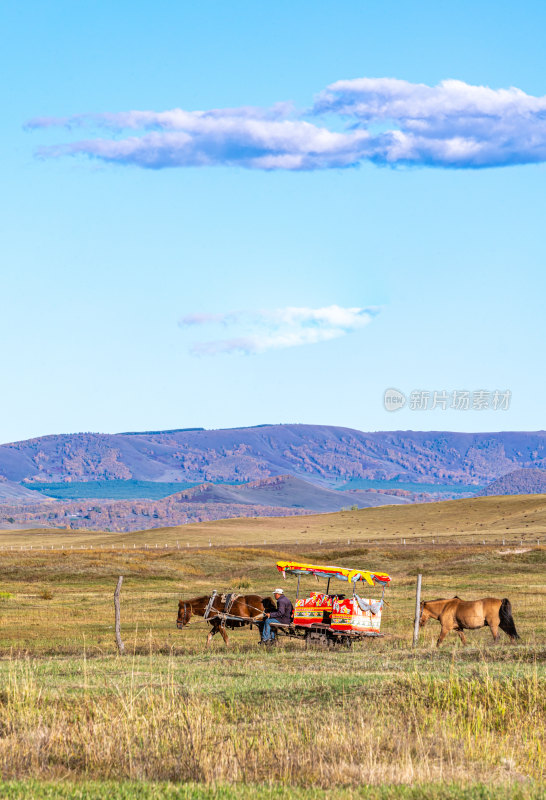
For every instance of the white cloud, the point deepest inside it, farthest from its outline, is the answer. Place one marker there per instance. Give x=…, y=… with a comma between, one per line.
x=389, y=98
x=281, y=328
x=197, y=139
x=453, y=124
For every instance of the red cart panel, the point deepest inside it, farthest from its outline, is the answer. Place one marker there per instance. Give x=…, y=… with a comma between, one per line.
x=310, y=610
x=348, y=616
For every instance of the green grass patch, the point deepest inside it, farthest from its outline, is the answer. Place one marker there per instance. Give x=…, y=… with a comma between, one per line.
x=109, y=790
x=410, y=486
x=108, y=490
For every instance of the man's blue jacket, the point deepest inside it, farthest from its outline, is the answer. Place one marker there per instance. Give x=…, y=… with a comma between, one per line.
x=283, y=612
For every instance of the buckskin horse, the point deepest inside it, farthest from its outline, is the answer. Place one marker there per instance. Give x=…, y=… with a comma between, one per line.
x=457, y=615
x=248, y=606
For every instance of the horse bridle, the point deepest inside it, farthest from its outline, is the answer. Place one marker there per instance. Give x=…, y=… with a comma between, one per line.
x=184, y=618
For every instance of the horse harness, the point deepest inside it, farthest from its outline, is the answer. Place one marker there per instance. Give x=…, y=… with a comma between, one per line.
x=226, y=599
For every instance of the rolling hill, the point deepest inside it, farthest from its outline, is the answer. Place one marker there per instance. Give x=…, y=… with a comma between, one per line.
x=520, y=481
x=14, y=493
x=279, y=496
x=287, y=491
x=515, y=519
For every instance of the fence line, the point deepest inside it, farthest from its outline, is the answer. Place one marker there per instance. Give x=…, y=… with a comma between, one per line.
x=152, y=547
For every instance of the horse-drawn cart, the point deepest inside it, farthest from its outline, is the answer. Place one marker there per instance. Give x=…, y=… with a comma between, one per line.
x=322, y=619
x=332, y=619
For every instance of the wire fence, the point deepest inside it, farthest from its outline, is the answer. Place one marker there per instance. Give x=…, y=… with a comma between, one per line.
x=436, y=540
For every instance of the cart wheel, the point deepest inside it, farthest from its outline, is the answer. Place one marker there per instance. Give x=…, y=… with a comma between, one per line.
x=314, y=640
x=340, y=641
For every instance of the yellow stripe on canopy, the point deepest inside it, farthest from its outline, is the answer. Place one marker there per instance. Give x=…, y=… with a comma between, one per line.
x=344, y=573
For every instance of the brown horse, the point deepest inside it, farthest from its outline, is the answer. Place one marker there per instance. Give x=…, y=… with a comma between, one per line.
x=457, y=614
x=248, y=606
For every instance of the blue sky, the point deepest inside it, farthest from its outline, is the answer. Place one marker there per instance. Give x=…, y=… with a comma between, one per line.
x=326, y=283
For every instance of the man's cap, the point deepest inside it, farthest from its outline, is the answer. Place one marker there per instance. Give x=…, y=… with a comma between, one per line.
x=278, y=591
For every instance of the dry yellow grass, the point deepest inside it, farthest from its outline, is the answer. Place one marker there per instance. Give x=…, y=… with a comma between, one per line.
x=380, y=714
x=512, y=518
x=162, y=723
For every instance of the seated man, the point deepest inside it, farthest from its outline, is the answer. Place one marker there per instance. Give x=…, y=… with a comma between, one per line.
x=282, y=616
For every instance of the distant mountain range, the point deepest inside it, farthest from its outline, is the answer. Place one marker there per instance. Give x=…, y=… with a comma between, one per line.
x=128, y=481
x=321, y=454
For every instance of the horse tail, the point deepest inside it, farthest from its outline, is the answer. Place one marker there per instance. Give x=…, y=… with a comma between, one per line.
x=506, y=620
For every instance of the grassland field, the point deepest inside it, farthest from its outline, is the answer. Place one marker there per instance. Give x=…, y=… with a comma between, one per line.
x=173, y=719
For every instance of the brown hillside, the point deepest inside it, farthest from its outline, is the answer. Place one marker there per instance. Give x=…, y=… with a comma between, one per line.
x=521, y=481
x=512, y=518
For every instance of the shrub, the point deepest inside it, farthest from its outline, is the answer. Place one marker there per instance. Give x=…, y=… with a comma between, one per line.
x=240, y=583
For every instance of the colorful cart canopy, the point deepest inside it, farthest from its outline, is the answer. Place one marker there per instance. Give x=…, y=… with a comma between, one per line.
x=342, y=573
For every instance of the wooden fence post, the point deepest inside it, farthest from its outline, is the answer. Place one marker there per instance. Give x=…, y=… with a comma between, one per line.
x=417, y=611
x=121, y=646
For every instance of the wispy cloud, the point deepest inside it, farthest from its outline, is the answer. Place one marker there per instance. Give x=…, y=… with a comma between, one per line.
x=175, y=119
x=228, y=139
x=454, y=125
x=203, y=319
x=281, y=328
